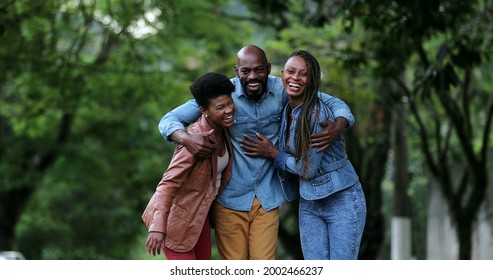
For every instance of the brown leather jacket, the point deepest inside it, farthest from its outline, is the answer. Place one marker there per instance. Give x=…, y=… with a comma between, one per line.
x=182, y=199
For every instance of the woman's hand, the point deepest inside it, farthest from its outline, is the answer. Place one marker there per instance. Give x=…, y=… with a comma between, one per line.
x=155, y=242
x=260, y=146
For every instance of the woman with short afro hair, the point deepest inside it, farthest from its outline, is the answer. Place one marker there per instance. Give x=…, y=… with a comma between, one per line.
x=177, y=214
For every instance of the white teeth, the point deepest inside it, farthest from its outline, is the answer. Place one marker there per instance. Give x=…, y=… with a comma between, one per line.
x=294, y=85
x=253, y=84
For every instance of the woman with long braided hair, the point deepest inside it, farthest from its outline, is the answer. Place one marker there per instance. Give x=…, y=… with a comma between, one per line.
x=332, y=211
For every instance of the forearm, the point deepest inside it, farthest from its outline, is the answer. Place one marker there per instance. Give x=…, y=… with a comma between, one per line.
x=341, y=124
x=168, y=127
x=338, y=108
x=177, y=119
x=287, y=162
x=179, y=136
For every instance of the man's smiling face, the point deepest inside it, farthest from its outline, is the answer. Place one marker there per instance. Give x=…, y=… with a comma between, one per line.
x=253, y=70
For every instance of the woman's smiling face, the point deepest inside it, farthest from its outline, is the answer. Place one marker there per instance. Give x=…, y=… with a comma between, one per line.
x=220, y=111
x=294, y=78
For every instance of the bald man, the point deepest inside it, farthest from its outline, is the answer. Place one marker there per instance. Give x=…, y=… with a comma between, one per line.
x=246, y=214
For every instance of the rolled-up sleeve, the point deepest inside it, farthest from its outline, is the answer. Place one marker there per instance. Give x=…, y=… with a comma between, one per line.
x=178, y=118
x=338, y=107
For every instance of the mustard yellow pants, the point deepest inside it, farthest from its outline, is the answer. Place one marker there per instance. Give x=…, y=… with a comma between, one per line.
x=246, y=235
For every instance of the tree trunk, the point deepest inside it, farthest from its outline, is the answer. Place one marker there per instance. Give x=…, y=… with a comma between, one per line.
x=464, y=233
x=12, y=204
x=401, y=220
x=33, y=163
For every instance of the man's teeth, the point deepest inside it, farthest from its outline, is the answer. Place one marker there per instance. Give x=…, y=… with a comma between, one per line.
x=294, y=85
x=228, y=117
x=253, y=84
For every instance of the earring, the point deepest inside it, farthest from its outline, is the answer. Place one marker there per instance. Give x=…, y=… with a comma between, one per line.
x=206, y=115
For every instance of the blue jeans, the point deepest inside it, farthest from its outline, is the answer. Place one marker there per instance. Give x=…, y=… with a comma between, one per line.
x=331, y=228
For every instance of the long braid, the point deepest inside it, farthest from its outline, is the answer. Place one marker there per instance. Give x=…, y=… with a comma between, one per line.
x=305, y=125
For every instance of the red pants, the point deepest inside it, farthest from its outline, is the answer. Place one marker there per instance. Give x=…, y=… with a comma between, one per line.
x=201, y=251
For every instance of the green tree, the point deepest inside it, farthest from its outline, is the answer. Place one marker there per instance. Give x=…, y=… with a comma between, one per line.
x=83, y=86
x=445, y=48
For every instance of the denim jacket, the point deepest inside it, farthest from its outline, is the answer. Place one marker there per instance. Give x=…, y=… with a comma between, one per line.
x=252, y=176
x=330, y=171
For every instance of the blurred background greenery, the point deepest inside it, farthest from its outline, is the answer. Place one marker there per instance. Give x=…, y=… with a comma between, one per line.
x=84, y=83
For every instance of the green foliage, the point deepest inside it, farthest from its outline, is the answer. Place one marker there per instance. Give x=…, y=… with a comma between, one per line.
x=85, y=85
x=440, y=47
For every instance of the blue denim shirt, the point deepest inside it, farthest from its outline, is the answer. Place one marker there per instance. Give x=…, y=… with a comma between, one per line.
x=252, y=176
x=329, y=172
